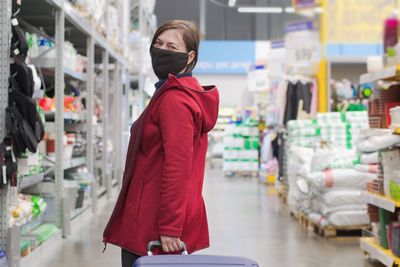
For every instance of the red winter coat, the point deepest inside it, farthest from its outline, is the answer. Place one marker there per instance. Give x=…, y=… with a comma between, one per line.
x=162, y=187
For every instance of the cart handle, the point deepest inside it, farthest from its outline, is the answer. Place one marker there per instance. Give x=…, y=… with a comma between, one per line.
x=157, y=244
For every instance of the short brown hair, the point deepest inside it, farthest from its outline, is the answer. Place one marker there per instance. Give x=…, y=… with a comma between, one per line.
x=190, y=34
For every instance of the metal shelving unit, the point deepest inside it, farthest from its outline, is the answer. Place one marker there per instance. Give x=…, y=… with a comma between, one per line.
x=5, y=17
x=98, y=49
x=380, y=201
x=391, y=74
x=30, y=181
x=50, y=64
x=146, y=28
x=385, y=256
x=386, y=204
x=368, y=244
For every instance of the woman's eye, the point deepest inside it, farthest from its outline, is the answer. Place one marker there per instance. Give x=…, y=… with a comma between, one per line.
x=158, y=43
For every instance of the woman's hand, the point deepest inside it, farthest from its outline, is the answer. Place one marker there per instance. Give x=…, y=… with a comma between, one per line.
x=170, y=244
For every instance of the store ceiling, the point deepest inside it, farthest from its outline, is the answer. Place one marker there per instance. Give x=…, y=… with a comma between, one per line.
x=226, y=23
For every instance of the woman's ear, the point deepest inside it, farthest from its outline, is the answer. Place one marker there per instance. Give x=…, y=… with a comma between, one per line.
x=191, y=57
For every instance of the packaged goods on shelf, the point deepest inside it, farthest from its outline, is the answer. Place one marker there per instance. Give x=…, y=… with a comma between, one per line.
x=241, y=146
x=42, y=233
x=113, y=30
x=376, y=141
x=30, y=164
x=25, y=209
x=348, y=218
x=371, y=168
x=92, y=10
x=321, y=159
x=339, y=178
x=42, y=53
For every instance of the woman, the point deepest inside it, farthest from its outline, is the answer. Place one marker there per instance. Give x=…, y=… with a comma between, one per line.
x=161, y=195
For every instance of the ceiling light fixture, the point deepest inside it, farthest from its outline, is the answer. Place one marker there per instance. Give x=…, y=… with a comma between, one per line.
x=289, y=10
x=232, y=3
x=260, y=9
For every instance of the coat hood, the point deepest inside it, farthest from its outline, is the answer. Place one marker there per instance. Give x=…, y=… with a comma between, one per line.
x=207, y=97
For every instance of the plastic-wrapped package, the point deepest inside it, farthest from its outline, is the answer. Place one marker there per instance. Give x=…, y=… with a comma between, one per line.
x=376, y=142
x=340, y=178
x=371, y=168
x=318, y=219
x=299, y=157
x=369, y=158
x=341, y=197
x=324, y=209
x=332, y=159
x=349, y=217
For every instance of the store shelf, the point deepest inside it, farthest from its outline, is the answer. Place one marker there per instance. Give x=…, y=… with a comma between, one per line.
x=46, y=248
x=347, y=60
x=30, y=180
x=114, y=182
x=385, y=256
x=49, y=64
x=74, y=116
x=75, y=75
x=68, y=127
x=74, y=162
x=388, y=74
x=77, y=19
x=380, y=201
x=50, y=115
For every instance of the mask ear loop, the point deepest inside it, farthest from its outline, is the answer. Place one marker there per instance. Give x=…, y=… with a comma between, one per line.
x=191, y=63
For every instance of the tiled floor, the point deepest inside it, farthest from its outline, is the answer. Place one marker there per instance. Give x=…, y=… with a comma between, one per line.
x=245, y=218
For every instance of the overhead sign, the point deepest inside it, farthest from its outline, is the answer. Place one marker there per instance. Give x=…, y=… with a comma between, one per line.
x=225, y=57
x=302, y=43
x=356, y=21
x=301, y=4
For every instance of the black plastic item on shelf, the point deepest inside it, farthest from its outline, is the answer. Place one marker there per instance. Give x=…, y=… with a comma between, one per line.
x=27, y=109
x=23, y=76
x=71, y=90
x=19, y=45
x=8, y=163
x=80, y=198
x=20, y=131
x=384, y=218
x=396, y=240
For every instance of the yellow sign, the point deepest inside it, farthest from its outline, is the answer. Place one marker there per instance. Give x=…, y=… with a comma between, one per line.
x=357, y=21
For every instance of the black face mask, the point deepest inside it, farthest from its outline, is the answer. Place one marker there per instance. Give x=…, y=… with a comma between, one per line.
x=167, y=62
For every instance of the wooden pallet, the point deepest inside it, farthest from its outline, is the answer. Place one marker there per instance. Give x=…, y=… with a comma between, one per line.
x=296, y=217
x=330, y=232
x=283, y=197
x=241, y=173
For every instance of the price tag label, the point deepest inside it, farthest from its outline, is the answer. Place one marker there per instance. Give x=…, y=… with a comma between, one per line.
x=4, y=174
x=302, y=44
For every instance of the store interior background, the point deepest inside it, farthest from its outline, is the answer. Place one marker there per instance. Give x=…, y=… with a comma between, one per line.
x=226, y=24
x=248, y=56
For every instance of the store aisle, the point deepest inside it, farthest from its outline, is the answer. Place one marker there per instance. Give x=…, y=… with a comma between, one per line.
x=249, y=219
x=245, y=219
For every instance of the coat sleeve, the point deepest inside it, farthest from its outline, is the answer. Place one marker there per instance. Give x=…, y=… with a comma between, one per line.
x=176, y=122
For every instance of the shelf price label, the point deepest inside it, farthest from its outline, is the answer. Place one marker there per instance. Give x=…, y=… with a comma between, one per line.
x=377, y=253
x=378, y=201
